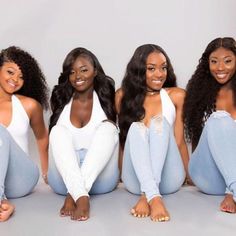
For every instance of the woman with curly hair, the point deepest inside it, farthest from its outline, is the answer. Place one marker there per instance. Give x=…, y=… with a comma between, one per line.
x=23, y=95
x=151, y=131
x=83, y=136
x=209, y=116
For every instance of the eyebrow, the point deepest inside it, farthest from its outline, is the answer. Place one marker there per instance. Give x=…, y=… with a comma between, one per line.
x=80, y=67
x=10, y=67
x=151, y=64
x=224, y=57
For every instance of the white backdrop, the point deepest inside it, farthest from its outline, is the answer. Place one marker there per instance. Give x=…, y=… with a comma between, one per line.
x=113, y=29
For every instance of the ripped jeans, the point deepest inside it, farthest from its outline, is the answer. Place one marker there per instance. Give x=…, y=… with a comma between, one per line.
x=212, y=165
x=152, y=163
x=18, y=173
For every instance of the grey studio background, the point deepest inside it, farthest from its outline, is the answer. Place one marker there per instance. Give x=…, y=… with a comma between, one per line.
x=112, y=30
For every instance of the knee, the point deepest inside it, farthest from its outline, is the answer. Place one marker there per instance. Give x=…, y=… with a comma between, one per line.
x=219, y=119
x=57, y=130
x=137, y=129
x=108, y=128
x=108, y=125
x=4, y=134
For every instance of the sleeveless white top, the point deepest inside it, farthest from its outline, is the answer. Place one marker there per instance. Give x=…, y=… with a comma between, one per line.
x=168, y=108
x=82, y=136
x=19, y=126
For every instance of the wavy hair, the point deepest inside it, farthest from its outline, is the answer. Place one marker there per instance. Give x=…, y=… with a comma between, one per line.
x=134, y=87
x=35, y=85
x=62, y=93
x=202, y=90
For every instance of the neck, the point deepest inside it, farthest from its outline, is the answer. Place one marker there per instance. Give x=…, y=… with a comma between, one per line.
x=83, y=96
x=5, y=96
x=152, y=91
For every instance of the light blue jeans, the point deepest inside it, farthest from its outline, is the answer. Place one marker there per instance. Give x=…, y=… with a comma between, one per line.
x=18, y=173
x=96, y=158
x=212, y=166
x=152, y=163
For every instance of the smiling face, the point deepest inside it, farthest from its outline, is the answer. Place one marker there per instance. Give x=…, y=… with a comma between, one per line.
x=222, y=64
x=82, y=74
x=156, y=71
x=11, y=78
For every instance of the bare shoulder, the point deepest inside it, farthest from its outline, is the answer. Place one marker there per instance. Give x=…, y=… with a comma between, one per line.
x=118, y=96
x=119, y=93
x=176, y=94
x=30, y=105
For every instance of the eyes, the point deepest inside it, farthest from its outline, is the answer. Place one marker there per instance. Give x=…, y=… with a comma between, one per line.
x=153, y=68
x=226, y=61
x=13, y=73
x=83, y=70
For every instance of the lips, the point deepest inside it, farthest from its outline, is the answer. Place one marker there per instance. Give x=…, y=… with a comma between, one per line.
x=79, y=82
x=221, y=75
x=11, y=83
x=159, y=81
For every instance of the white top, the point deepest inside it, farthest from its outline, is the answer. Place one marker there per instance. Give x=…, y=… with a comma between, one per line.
x=19, y=125
x=168, y=108
x=82, y=136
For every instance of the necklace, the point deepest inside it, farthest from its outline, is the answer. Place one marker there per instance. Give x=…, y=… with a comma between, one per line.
x=152, y=91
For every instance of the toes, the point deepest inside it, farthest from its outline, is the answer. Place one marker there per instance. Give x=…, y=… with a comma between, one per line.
x=132, y=211
x=160, y=218
x=62, y=213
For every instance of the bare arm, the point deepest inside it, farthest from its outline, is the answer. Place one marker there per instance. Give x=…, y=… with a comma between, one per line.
x=118, y=97
x=178, y=98
x=35, y=112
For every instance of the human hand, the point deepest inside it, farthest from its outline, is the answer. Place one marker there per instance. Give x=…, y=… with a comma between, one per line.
x=45, y=178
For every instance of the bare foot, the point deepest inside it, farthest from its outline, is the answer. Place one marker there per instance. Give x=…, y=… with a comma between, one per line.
x=158, y=210
x=141, y=209
x=81, y=211
x=6, y=210
x=228, y=204
x=68, y=207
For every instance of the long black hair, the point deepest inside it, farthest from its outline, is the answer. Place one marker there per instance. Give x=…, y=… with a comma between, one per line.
x=62, y=93
x=134, y=87
x=202, y=90
x=35, y=85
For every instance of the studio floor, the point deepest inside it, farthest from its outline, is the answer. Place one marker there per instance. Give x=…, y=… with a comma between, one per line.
x=192, y=213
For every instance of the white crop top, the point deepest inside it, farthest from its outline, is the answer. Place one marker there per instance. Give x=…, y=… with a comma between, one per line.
x=82, y=136
x=168, y=108
x=19, y=125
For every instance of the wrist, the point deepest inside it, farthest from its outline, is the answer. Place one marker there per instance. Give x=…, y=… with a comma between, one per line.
x=45, y=177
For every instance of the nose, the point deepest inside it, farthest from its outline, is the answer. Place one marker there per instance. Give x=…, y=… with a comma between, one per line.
x=158, y=72
x=15, y=78
x=221, y=65
x=77, y=75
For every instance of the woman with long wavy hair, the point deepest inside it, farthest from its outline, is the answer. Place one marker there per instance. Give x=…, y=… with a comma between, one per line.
x=151, y=131
x=209, y=117
x=83, y=133
x=23, y=95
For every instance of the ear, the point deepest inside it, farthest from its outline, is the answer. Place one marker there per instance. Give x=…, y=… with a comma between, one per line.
x=95, y=72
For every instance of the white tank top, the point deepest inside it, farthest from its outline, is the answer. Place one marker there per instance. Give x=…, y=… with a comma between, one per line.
x=19, y=125
x=82, y=136
x=168, y=108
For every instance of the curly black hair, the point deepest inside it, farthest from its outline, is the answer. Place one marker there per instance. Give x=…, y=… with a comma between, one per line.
x=134, y=87
x=35, y=85
x=202, y=90
x=103, y=85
